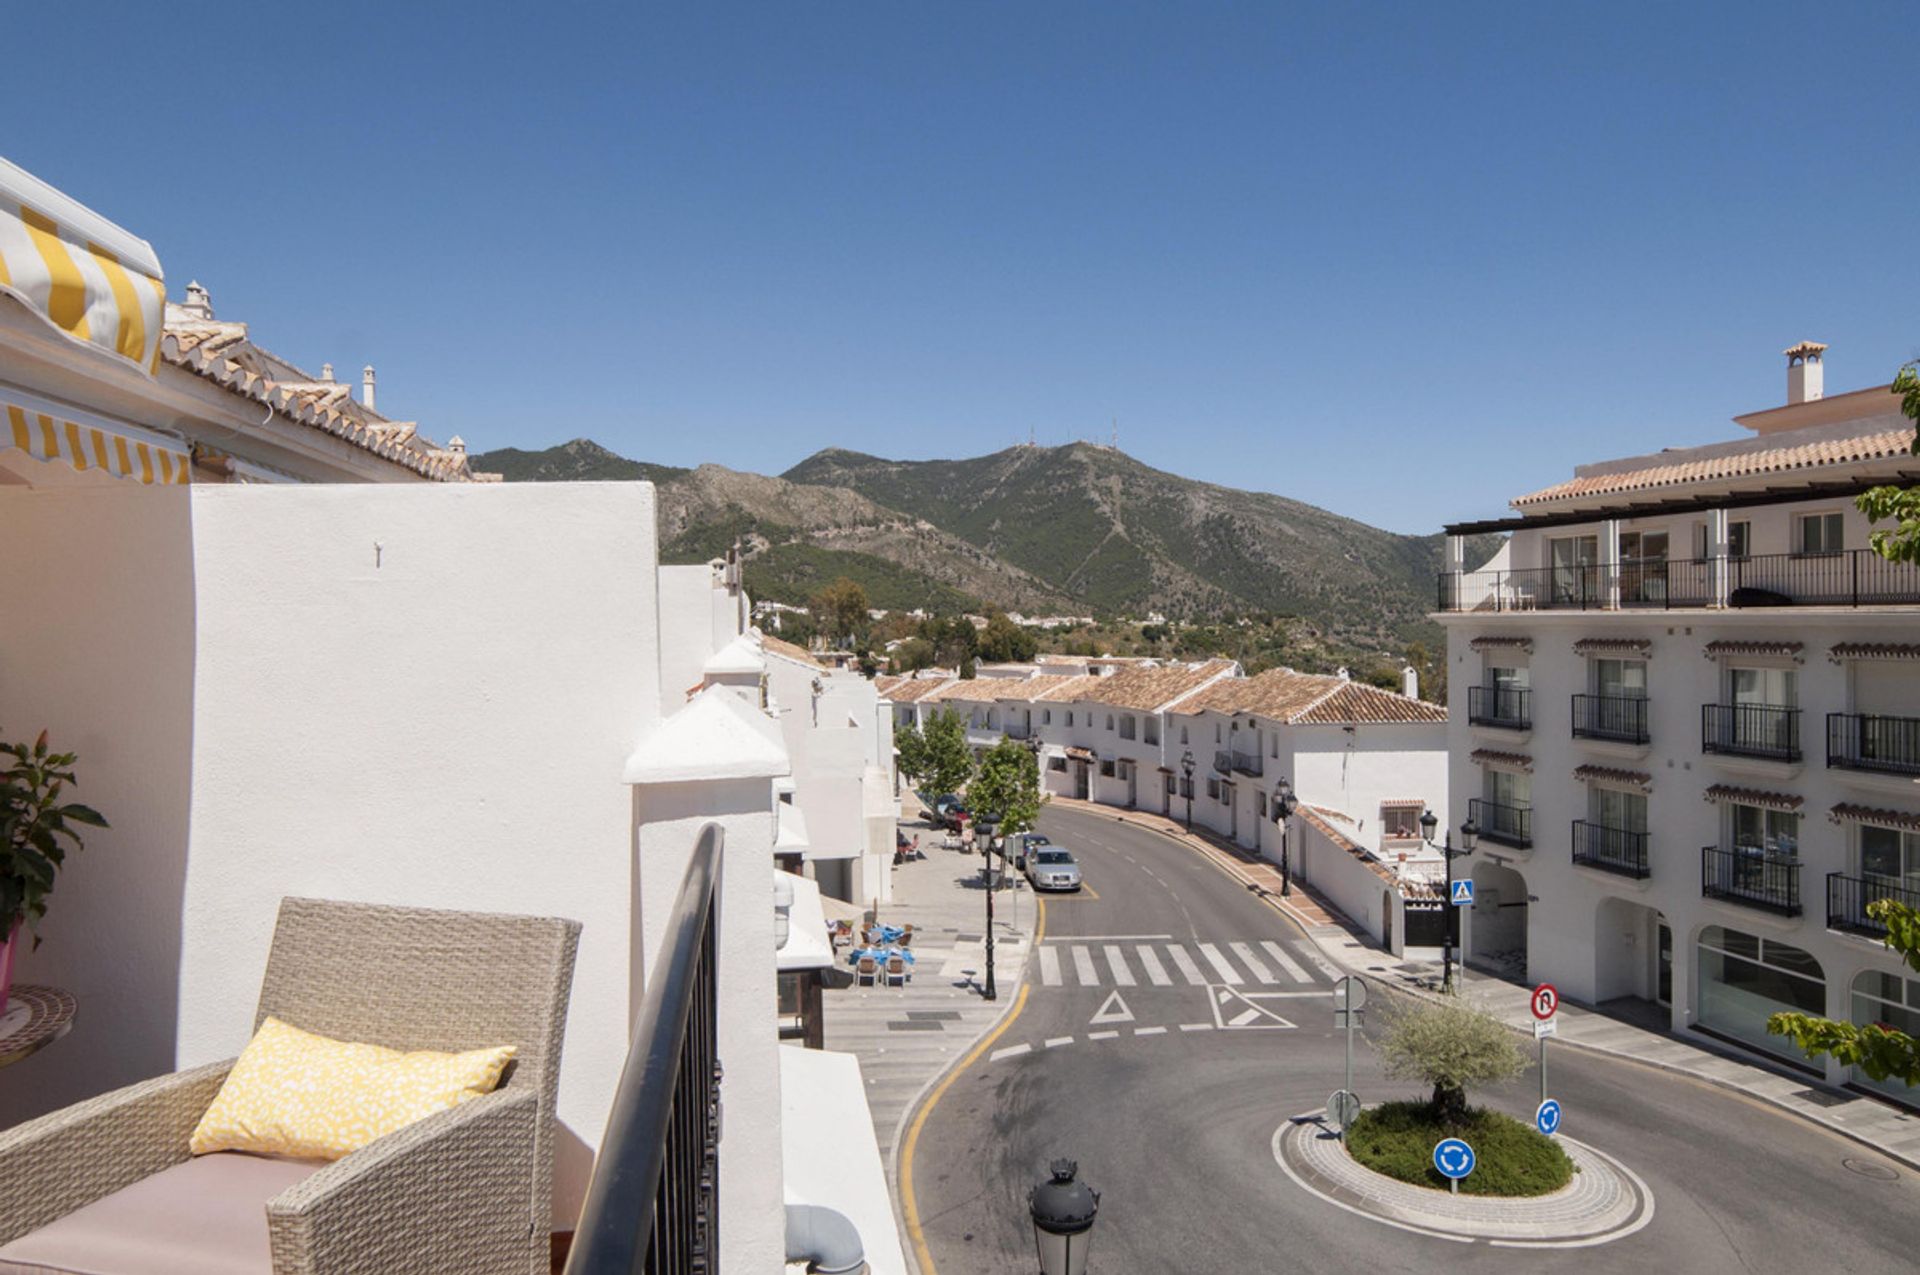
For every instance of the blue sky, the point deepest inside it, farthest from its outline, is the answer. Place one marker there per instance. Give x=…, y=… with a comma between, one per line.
x=1401, y=261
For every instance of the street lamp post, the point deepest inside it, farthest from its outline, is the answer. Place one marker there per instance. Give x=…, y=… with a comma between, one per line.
x=1186, y=769
x=1469, y=837
x=1063, y=1211
x=1284, y=804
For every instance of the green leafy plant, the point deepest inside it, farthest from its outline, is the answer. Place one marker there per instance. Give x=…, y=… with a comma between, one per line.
x=1900, y=505
x=1397, y=1139
x=948, y=760
x=1880, y=1051
x=911, y=747
x=37, y=829
x=1008, y=787
x=1450, y=1045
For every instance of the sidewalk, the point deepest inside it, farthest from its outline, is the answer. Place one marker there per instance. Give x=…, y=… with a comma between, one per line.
x=905, y=1037
x=1881, y=1126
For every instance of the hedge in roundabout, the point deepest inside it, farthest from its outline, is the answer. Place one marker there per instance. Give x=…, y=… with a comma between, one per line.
x=1397, y=1139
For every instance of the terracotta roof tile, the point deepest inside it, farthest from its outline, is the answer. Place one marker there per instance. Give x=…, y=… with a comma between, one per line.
x=1494, y=757
x=1614, y=775
x=778, y=646
x=1847, y=812
x=1309, y=699
x=1360, y=703
x=1873, y=651
x=1495, y=642
x=1728, y=646
x=1877, y=443
x=1148, y=688
x=914, y=689
x=1613, y=646
x=1754, y=797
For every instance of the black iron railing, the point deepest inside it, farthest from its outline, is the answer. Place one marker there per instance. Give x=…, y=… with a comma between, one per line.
x=1751, y=876
x=1857, y=577
x=1620, y=718
x=1502, y=823
x=1505, y=706
x=1847, y=899
x=653, y=1202
x=1770, y=731
x=1618, y=850
x=1248, y=763
x=1869, y=741
x=1223, y=761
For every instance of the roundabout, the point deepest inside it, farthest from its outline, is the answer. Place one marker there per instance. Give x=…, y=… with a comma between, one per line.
x=1605, y=1201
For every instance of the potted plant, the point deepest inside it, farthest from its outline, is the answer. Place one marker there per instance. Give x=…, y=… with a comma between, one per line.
x=36, y=831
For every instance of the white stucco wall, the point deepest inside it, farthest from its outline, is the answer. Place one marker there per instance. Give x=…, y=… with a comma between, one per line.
x=421, y=695
x=696, y=619
x=96, y=647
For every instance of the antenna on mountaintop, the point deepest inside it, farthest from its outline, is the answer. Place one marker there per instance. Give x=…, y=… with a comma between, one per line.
x=1115, y=443
x=1030, y=436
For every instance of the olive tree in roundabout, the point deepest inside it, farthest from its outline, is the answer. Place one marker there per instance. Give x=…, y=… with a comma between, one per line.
x=1451, y=1047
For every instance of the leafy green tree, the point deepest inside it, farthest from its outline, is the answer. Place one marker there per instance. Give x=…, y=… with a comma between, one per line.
x=840, y=611
x=1004, y=642
x=1449, y=1045
x=1008, y=787
x=1901, y=543
x=911, y=656
x=954, y=639
x=949, y=762
x=1878, y=1050
x=911, y=749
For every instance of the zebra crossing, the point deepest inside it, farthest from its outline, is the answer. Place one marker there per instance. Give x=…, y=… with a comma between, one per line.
x=1229, y=962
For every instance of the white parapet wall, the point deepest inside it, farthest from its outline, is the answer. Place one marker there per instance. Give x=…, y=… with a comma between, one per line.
x=420, y=695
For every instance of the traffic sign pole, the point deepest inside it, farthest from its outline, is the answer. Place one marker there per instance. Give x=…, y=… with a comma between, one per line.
x=1545, y=1003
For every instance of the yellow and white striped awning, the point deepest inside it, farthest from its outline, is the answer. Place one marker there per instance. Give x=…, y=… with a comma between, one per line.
x=92, y=444
x=86, y=276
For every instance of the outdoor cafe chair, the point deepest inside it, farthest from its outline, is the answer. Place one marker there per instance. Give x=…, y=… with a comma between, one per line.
x=896, y=971
x=867, y=972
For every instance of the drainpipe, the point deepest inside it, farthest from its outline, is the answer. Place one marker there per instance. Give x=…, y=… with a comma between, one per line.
x=825, y=1240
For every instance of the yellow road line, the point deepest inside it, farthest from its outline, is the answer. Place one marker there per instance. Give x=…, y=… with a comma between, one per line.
x=908, y=1205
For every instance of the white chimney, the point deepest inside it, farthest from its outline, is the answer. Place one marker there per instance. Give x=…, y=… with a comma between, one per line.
x=1342, y=673
x=326, y=371
x=198, y=303
x=366, y=387
x=1806, y=374
x=1410, y=682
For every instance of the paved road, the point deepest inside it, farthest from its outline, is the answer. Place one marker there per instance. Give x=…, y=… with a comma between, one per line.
x=1174, y=1126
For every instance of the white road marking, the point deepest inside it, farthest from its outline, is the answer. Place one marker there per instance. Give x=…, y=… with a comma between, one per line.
x=1252, y=962
x=1196, y=1027
x=1112, y=1010
x=1117, y=961
x=1228, y=974
x=1101, y=1035
x=1149, y=1031
x=1083, y=966
x=1104, y=938
x=1056, y=1041
x=1049, y=967
x=1156, y=972
x=1287, y=963
x=1188, y=969
x=1011, y=1051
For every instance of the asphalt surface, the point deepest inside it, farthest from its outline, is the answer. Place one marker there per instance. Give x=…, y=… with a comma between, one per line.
x=1174, y=1128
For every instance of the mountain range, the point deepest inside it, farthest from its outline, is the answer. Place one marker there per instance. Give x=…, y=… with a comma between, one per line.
x=1075, y=529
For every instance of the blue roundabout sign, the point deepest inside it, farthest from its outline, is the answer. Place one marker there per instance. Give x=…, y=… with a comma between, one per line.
x=1547, y=1118
x=1453, y=1158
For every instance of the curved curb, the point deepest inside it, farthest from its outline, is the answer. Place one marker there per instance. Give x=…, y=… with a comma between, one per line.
x=1607, y=1201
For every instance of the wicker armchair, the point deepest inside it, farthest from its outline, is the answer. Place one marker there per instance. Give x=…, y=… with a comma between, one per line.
x=465, y=1190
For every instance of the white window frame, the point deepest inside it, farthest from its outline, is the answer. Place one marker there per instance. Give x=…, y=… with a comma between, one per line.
x=1832, y=520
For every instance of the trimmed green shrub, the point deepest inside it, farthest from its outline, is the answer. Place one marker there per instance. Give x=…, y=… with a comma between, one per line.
x=1397, y=1139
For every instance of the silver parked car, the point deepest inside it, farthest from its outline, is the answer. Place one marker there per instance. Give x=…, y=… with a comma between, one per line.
x=1052, y=868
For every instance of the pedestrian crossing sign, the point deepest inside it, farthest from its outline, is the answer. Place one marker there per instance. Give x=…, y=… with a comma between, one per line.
x=1462, y=892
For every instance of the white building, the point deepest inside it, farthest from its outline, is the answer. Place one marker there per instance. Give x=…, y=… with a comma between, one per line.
x=1686, y=717
x=292, y=664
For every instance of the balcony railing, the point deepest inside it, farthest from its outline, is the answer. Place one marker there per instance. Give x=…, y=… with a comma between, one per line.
x=1509, y=707
x=1617, y=850
x=1501, y=823
x=1857, y=577
x=1868, y=741
x=1767, y=731
x=1248, y=763
x=1223, y=762
x=1752, y=877
x=653, y=1202
x=1620, y=718
x=1847, y=899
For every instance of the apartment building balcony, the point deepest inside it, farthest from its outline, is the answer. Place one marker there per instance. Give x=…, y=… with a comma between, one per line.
x=1505, y=707
x=1019, y=730
x=1875, y=743
x=1854, y=578
x=1770, y=732
x=1620, y=719
x=1248, y=763
x=1223, y=761
x=1752, y=877
x=1618, y=850
x=1847, y=899
x=1502, y=824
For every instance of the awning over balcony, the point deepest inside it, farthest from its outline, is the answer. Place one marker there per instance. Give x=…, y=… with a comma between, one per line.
x=1498, y=642
x=90, y=279
x=1081, y=754
x=1639, y=780
x=91, y=444
x=1501, y=761
x=1635, y=647
x=1843, y=651
x=1847, y=812
x=1714, y=650
x=1785, y=801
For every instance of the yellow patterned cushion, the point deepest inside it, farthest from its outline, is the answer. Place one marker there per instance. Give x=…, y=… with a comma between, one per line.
x=293, y=1093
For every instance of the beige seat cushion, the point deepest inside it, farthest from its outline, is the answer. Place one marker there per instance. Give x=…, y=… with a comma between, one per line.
x=205, y=1216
